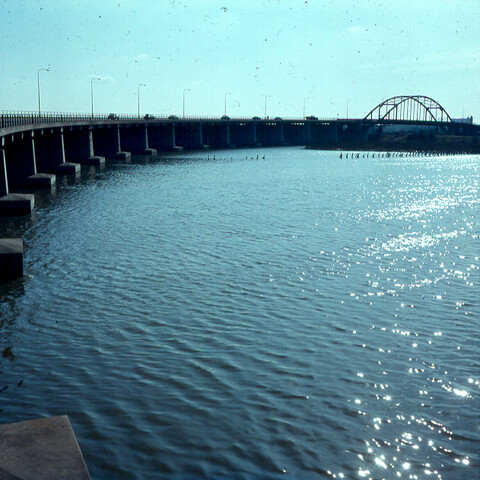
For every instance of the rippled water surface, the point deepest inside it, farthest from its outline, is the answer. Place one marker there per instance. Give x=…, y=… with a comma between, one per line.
x=299, y=316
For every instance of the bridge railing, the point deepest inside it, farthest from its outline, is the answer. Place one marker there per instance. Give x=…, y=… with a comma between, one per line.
x=9, y=118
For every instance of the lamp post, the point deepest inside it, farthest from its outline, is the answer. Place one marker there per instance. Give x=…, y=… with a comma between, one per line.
x=304, y=100
x=38, y=86
x=266, y=95
x=138, y=96
x=91, y=90
x=184, y=90
x=226, y=93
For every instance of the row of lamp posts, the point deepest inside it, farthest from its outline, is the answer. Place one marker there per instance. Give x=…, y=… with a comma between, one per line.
x=144, y=85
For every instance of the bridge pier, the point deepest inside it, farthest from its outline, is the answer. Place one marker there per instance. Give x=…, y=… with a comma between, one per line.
x=282, y=137
x=22, y=164
x=12, y=203
x=255, y=137
x=162, y=137
x=189, y=135
x=50, y=153
x=11, y=258
x=79, y=146
x=200, y=137
x=227, y=137
x=107, y=142
x=136, y=139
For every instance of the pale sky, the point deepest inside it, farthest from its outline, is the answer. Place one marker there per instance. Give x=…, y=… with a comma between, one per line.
x=329, y=52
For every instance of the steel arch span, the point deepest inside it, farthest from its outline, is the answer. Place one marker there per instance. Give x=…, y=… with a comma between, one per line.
x=410, y=108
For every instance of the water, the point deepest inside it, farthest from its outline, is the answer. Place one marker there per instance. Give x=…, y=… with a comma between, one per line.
x=301, y=316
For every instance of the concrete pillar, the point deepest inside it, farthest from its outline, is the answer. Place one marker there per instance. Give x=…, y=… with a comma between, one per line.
x=309, y=132
x=3, y=175
x=11, y=259
x=92, y=158
x=79, y=146
x=148, y=150
x=50, y=153
x=254, y=134
x=12, y=203
x=120, y=154
x=173, y=136
x=175, y=147
x=227, y=135
x=64, y=168
x=282, y=141
x=34, y=179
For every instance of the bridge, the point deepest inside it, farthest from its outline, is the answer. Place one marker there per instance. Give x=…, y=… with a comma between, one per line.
x=34, y=148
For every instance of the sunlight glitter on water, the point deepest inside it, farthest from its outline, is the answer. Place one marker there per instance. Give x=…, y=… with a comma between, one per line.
x=303, y=316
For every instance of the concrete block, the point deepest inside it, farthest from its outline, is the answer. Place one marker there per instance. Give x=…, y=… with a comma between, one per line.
x=150, y=151
x=41, y=180
x=123, y=156
x=68, y=168
x=44, y=449
x=11, y=259
x=17, y=204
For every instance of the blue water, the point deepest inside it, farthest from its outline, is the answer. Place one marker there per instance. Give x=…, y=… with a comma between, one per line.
x=300, y=316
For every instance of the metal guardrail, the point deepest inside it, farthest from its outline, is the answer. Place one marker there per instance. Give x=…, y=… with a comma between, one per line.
x=9, y=118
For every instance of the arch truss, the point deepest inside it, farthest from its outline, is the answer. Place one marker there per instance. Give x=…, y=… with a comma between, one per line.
x=410, y=108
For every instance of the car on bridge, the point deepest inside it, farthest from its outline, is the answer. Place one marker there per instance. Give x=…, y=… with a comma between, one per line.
x=112, y=116
x=255, y=118
x=311, y=117
x=172, y=117
x=225, y=117
x=148, y=116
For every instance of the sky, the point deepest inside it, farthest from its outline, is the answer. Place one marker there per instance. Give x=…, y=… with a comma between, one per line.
x=332, y=56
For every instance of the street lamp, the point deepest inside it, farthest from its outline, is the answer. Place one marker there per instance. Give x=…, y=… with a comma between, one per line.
x=184, y=90
x=304, y=100
x=138, y=96
x=265, y=95
x=91, y=90
x=226, y=93
x=38, y=86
